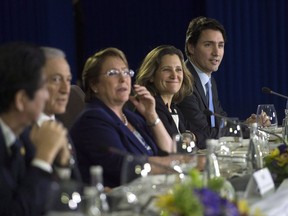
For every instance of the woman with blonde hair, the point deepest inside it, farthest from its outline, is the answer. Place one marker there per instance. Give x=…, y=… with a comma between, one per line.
x=165, y=75
x=106, y=124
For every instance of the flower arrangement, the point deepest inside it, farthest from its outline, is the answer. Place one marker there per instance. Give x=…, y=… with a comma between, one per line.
x=191, y=198
x=277, y=163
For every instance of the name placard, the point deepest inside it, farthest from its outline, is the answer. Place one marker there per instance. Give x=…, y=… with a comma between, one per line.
x=260, y=184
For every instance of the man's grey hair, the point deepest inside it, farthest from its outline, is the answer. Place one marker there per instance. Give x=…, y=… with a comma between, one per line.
x=51, y=52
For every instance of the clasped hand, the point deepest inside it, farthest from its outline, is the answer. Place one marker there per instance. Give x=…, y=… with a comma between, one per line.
x=51, y=142
x=263, y=119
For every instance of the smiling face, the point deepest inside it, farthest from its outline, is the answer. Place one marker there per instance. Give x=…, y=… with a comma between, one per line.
x=59, y=78
x=113, y=90
x=169, y=76
x=208, y=52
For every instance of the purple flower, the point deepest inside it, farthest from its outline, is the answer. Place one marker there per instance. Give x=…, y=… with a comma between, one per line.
x=214, y=205
x=282, y=148
x=229, y=208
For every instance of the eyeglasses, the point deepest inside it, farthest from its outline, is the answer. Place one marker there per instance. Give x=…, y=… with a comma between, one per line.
x=117, y=73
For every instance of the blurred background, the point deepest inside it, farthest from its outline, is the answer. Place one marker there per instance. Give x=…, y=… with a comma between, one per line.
x=256, y=52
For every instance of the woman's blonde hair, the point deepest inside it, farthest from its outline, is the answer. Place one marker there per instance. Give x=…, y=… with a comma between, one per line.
x=151, y=64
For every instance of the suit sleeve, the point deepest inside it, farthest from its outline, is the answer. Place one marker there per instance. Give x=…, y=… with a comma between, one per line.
x=196, y=120
x=92, y=135
x=27, y=198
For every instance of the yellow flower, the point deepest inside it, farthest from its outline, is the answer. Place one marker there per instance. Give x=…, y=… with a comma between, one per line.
x=275, y=153
x=166, y=201
x=282, y=159
x=243, y=206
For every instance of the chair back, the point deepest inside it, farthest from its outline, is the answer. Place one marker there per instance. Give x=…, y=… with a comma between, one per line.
x=74, y=107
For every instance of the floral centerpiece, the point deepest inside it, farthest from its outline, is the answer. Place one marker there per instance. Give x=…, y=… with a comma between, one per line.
x=277, y=163
x=191, y=198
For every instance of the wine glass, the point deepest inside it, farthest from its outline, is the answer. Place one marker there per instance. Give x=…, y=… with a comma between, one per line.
x=184, y=142
x=140, y=184
x=229, y=142
x=267, y=117
x=185, y=157
x=230, y=135
x=65, y=199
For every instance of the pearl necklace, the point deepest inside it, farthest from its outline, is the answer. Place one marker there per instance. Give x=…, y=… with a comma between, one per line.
x=125, y=119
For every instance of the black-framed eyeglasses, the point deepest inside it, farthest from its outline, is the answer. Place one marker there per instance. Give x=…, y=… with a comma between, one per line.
x=117, y=73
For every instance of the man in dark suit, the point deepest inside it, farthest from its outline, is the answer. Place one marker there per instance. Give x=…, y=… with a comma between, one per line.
x=204, y=48
x=24, y=190
x=57, y=71
x=58, y=74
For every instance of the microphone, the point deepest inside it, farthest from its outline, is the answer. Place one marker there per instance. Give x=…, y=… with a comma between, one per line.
x=269, y=91
x=209, y=113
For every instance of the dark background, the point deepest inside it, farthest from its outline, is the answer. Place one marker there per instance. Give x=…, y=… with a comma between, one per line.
x=255, y=54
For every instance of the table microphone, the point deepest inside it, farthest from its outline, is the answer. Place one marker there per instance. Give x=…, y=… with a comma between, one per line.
x=209, y=113
x=269, y=91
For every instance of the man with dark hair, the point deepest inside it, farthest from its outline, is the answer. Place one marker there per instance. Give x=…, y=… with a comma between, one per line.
x=23, y=93
x=204, y=48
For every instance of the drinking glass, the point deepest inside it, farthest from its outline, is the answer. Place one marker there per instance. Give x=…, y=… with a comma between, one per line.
x=229, y=144
x=184, y=142
x=139, y=184
x=65, y=199
x=185, y=156
x=267, y=117
x=230, y=135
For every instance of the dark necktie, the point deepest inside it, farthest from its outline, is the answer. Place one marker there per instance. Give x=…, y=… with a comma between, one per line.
x=17, y=161
x=209, y=98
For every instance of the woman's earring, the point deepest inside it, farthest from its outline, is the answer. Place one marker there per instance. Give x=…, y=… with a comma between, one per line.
x=95, y=90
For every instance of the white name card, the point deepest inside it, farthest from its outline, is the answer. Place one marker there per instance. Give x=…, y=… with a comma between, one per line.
x=260, y=183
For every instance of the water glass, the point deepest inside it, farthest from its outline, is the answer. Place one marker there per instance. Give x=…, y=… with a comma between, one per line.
x=267, y=117
x=185, y=156
x=184, y=143
x=230, y=142
x=230, y=136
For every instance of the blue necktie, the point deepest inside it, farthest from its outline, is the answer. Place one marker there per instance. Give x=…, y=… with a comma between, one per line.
x=210, y=101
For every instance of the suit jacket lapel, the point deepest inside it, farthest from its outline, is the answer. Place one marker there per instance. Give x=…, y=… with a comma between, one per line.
x=135, y=142
x=128, y=138
x=12, y=169
x=198, y=85
x=214, y=94
x=17, y=161
x=3, y=150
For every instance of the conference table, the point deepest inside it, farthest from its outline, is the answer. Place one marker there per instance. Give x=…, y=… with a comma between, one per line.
x=148, y=188
x=138, y=197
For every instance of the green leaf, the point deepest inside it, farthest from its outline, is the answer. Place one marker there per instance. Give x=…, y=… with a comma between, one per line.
x=216, y=184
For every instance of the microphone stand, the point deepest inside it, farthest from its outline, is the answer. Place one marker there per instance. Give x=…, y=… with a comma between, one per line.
x=269, y=91
x=208, y=112
x=274, y=134
x=140, y=159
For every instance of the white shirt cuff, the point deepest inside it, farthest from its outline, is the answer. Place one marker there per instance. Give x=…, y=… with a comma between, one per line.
x=42, y=165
